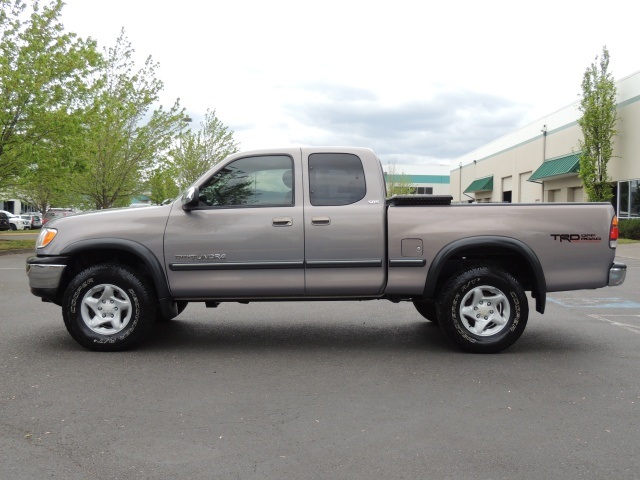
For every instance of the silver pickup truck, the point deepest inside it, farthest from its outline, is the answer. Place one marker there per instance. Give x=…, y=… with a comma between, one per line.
x=314, y=224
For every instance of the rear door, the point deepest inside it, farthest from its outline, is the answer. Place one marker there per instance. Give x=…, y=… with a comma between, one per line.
x=344, y=221
x=246, y=239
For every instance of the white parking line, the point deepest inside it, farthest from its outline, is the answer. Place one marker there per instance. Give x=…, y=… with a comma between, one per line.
x=631, y=328
x=593, y=302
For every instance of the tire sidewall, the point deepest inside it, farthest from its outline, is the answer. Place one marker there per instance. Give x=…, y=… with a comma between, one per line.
x=130, y=284
x=459, y=286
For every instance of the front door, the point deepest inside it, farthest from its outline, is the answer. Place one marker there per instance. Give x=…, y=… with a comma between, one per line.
x=247, y=236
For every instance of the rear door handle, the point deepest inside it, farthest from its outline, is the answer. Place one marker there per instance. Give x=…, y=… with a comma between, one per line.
x=282, y=222
x=320, y=221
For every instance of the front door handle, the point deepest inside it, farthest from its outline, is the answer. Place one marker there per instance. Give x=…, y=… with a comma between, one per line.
x=282, y=222
x=320, y=221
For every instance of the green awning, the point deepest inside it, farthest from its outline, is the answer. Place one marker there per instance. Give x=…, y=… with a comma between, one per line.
x=481, y=185
x=557, y=166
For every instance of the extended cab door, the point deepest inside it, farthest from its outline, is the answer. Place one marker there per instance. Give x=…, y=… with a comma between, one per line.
x=344, y=217
x=246, y=238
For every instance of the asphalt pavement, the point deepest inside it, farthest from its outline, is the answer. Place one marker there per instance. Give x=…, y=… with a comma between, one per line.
x=323, y=390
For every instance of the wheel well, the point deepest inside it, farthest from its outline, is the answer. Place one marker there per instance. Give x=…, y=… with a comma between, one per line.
x=86, y=258
x=521, y=264
x=507, y=260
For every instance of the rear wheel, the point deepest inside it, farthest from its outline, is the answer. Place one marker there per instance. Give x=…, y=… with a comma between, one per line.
x=108, y=307
x=483, y=310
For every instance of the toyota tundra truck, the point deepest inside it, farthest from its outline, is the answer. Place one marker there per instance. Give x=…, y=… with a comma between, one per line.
x=315, y=224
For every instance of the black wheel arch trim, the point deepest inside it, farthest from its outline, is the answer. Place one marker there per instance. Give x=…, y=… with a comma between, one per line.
x=517, y=246
x=129, y=246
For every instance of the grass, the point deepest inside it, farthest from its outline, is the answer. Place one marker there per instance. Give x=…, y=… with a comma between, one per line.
x=9, y=245
x=626, y=241
x=11, y=242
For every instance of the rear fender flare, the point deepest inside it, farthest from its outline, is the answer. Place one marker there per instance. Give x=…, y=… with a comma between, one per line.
x=495, y=242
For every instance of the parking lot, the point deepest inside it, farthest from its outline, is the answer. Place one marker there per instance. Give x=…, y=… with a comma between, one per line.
x=323, y=390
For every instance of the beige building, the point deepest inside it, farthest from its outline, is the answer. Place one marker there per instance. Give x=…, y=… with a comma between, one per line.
x=539, y=163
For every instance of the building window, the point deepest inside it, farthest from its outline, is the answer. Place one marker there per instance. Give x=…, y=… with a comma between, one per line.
x=424, y=190
x=629, y=199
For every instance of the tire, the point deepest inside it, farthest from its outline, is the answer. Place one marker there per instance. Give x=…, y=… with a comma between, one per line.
x=13, y=227
x=483, y=310
x=427, y=309
x=114, y=293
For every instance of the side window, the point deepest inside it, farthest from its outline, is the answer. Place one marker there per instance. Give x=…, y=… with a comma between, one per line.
x=251, y=182
x=335, y=179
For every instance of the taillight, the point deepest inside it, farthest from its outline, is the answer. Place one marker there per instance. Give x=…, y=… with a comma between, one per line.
x=614, y=232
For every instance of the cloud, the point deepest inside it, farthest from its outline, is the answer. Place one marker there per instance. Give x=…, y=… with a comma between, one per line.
x=431, y=131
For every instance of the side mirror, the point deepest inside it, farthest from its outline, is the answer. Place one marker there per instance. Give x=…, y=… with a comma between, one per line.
x=190, y=199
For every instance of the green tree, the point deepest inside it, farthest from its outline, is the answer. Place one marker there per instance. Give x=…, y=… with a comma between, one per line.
x=123, y=140
x=161, y=186
x=45, y=181
x=43, y=74
x=398, y=182
x=598, y=121
x=197, y=152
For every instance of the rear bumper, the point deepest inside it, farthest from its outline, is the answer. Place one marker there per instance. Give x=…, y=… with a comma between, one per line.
x=617, y=274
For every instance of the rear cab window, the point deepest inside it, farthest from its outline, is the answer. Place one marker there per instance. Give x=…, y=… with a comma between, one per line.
x=336, y=179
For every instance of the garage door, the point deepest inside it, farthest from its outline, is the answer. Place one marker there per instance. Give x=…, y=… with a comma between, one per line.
x=578, y=194
x=529, y=192
x=507, y=184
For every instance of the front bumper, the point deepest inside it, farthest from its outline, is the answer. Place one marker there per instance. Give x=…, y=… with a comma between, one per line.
x=44, y=275
x=617, y=274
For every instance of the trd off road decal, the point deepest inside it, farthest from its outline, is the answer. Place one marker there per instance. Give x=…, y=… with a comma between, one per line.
x=576, y=237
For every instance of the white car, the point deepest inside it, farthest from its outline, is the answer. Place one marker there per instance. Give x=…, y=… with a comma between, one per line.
x=35, y=221
x=17, y=223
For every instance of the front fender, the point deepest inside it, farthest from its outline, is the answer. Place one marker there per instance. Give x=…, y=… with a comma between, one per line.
x=142, y=252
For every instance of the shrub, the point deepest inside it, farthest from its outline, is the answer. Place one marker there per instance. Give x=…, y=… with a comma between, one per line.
x=630, y=229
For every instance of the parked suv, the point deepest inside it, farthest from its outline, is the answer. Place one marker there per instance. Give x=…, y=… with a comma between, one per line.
x=15, y=222
x=34, y=220
x=4, y=221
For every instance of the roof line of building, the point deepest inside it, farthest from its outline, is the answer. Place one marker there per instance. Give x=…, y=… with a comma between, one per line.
x=622, y=104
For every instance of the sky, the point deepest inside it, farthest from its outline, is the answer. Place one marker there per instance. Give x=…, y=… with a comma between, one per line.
x=420, y=82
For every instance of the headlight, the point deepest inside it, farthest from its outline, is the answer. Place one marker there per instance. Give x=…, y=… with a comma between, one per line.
x=46, y=237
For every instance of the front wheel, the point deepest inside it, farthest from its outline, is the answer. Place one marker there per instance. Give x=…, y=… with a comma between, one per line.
x=107, y=307
x=483, y=310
